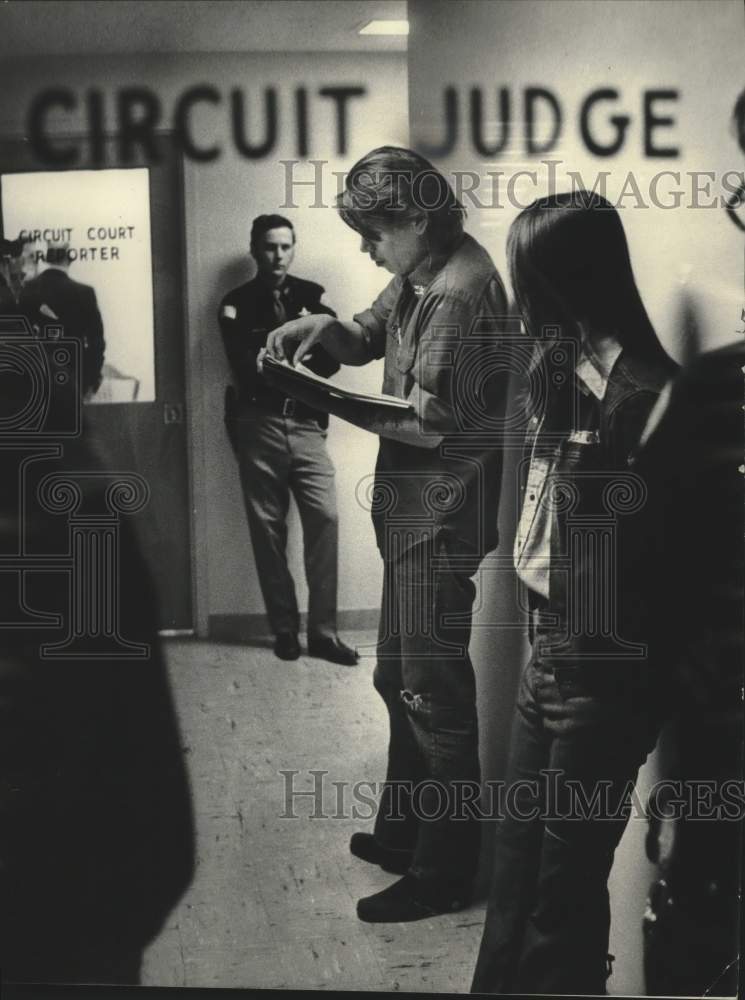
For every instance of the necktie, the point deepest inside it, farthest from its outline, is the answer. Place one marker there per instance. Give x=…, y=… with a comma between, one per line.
x=280, y=315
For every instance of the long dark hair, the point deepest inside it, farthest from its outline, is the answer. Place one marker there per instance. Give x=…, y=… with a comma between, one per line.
x=569, y=265
x=738, y=117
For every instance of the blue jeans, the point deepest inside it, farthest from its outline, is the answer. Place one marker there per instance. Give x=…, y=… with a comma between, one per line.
x=548, y=918
x=425, y=676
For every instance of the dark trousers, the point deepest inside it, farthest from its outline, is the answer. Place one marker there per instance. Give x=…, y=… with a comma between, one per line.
x=574, y=757
x=693, y=925
x=66, y=954
x=424, y=675
x=279, y=456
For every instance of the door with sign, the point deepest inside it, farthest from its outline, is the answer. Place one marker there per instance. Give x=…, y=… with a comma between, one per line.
x=118, y=231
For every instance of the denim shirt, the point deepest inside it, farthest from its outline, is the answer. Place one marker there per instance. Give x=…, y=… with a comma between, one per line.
x=577, y=481
x=532, y=549
x=439, y=331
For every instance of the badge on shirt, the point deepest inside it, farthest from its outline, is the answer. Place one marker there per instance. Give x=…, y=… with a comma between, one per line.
x=229, y=312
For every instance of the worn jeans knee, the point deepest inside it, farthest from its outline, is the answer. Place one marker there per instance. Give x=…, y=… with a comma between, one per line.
x=439, y=720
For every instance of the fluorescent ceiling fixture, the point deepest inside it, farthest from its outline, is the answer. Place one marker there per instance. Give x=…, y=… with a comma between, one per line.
x=380, y=27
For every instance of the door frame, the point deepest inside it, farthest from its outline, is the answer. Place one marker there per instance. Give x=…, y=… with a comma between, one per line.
x=193, y=432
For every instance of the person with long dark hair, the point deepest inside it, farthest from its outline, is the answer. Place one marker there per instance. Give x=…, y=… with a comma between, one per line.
x=737, y=199
x=586, y=713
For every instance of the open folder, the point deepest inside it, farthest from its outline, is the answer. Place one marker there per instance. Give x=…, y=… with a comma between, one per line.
x=286, y=377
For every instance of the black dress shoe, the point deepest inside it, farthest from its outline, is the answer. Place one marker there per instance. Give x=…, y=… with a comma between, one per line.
x=409, y=899
x=365, y=847
x=286, y=646
x=330, y=647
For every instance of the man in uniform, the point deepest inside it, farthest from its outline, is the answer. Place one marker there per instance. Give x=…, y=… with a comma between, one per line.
x=281, y=449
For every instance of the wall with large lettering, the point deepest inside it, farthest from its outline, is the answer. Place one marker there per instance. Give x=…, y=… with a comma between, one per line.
x=518, y=99
x=511, y=99
x=261, y=132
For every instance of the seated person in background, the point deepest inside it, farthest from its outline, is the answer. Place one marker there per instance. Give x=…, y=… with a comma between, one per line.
x=7, y=298
x=49, y=295
x=10, y=251
x=281, y=447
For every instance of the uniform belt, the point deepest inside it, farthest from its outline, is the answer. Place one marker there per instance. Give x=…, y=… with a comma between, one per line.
x=286, y=406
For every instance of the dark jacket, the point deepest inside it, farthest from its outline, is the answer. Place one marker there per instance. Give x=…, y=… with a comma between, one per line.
x=591, y=489
x=8, y=305
x=246, y=317
x=692, y=529
x=96, y=825
x=75, y=307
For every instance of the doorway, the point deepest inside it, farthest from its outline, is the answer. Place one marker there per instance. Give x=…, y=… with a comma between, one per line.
x=123, y=229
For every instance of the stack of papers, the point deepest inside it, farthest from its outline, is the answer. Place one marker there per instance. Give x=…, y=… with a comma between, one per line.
x=285, y=375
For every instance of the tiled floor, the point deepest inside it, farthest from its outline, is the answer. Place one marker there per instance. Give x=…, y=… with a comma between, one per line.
x=273, y=900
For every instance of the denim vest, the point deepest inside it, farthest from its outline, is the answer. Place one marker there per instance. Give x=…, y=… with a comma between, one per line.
x=588, y=483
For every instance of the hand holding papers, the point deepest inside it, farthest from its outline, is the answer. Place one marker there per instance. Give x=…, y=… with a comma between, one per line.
x=387, y=416
x=293, y=340
x=293, y=379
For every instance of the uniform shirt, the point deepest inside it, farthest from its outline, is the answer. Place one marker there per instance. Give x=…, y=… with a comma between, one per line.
x=248, y=314
x=533, y=539
x=438, y=330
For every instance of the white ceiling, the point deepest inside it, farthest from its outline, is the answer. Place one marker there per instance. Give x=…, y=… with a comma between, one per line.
x=69, y=27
